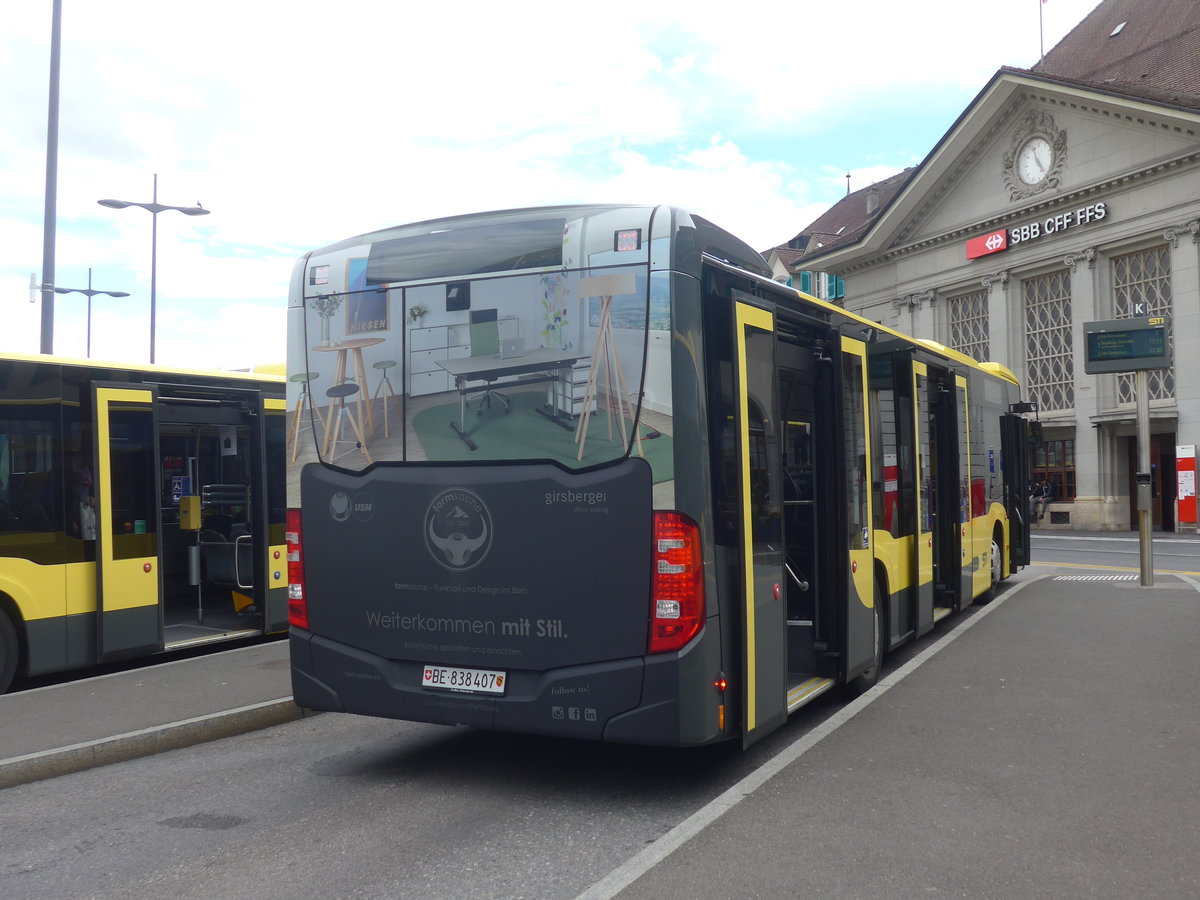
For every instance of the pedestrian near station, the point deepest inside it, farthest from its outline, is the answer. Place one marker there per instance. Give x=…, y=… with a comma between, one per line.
x=1039, y=499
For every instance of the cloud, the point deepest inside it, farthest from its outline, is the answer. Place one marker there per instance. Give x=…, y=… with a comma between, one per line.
x=302, y=129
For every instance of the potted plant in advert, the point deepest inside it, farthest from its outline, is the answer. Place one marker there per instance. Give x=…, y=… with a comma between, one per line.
x=326, y=305
x=554, y=307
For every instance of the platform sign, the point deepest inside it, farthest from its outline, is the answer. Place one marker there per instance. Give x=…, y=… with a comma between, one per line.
x=1126, y=345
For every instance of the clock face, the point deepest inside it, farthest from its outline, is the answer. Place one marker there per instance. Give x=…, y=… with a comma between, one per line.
x=1034, y=160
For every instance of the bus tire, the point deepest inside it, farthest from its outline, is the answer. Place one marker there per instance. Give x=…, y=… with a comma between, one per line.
x=9, y=651
x=868, y=679
x=997, y=569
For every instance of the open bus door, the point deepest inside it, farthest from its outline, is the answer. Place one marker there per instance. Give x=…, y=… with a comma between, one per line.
x=271, y=565
x=946, y=495
x=763, y=610
x=863, y=623
x=925, y=497
x=128, y=574
x=223, y=560
x=1014, y=451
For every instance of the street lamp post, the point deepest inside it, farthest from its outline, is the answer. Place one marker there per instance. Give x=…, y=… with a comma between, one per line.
x=154, y=208
x=90, y=294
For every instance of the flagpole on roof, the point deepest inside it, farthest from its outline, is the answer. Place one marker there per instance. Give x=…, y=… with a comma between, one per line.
x=1041, y=32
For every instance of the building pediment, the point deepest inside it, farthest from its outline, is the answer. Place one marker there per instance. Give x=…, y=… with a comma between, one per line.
x=1027, y=144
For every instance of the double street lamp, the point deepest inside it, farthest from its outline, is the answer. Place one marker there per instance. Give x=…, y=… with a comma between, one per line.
x=90, y=294
x=154, y=208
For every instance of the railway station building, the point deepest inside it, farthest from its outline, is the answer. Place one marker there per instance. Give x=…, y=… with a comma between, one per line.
x=1064, y=194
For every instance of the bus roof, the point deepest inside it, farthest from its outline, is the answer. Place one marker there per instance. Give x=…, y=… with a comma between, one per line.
x=992, y=368
x=270, y=372
x=443, y=221
x=995, y=369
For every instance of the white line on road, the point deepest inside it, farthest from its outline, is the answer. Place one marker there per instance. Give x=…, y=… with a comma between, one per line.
x=1158, y=541
x=623, y=876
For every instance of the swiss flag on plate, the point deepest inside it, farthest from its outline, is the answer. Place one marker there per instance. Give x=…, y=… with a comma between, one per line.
x=993, y=242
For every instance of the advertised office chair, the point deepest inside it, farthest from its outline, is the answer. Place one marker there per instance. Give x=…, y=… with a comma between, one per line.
x=485, y=341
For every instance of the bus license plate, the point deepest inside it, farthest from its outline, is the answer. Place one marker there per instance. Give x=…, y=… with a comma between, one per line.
x=471, y=681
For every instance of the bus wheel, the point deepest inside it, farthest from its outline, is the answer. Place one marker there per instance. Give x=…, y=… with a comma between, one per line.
x=9, y=648
x=997, y=568
x=870, y=677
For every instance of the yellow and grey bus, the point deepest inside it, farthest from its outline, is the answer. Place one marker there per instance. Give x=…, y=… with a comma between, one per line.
x=141, y=510
x=590, y=472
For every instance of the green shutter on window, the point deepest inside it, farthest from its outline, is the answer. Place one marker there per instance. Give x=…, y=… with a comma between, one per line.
x=806, y=282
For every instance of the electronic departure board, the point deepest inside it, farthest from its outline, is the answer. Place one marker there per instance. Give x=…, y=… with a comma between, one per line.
x=1126, y=345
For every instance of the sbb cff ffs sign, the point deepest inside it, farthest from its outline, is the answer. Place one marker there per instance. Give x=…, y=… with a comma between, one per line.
x=1003, y=238
x=1126, y=345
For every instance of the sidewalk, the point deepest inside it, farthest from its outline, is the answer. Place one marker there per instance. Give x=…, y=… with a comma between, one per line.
x=68, y=727
x=1047, y=750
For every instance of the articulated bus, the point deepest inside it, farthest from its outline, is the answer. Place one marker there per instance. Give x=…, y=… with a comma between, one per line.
x=142, y=509
x=589, y=472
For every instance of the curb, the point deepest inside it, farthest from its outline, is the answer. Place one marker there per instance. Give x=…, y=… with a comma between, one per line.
x=146, y=742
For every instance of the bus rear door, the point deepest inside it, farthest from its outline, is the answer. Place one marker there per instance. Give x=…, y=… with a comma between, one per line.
x=763, y=611
x=128, y=575
x=1014, y=451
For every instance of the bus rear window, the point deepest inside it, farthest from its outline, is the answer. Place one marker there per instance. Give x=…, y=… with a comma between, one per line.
x=501, y=247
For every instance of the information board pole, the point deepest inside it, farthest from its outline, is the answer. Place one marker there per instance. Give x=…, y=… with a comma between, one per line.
x=1145, y=541
x=1135, y=344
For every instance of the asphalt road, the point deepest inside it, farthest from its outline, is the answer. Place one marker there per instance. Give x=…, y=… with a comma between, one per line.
x=1120, y=551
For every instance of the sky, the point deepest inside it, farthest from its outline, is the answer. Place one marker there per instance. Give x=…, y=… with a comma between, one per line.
x=303, y=124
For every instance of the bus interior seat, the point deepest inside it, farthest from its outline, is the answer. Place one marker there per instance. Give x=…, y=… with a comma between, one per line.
x=217, y=558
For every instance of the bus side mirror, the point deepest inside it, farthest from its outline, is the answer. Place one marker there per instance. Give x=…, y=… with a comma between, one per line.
x=1035, y=434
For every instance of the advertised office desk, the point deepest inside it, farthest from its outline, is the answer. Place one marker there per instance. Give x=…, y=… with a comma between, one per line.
x=545, y=365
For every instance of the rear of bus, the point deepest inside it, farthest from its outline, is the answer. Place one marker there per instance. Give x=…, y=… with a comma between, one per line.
x=499, y=477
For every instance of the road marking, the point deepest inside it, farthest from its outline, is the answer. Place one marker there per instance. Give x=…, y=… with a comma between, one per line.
x=1160, y=541
x=1157, y=550
x=1123, y=576
x=641, y=863
x=1050, y=564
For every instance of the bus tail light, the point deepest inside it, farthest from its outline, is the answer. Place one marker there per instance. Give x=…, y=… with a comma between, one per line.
x=297, y=602
x=677, y=583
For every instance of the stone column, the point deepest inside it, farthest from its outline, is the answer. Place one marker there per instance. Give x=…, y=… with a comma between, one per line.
x=1095, y=505
x=1004, y=332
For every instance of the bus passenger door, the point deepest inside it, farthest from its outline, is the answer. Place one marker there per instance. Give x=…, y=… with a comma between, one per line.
x=1014, y=452
x=271, y=474
x=128, y=571
x=863, y=621
x=945, y=492
x=925, y=494
x=764, y=635
x=969, y=500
